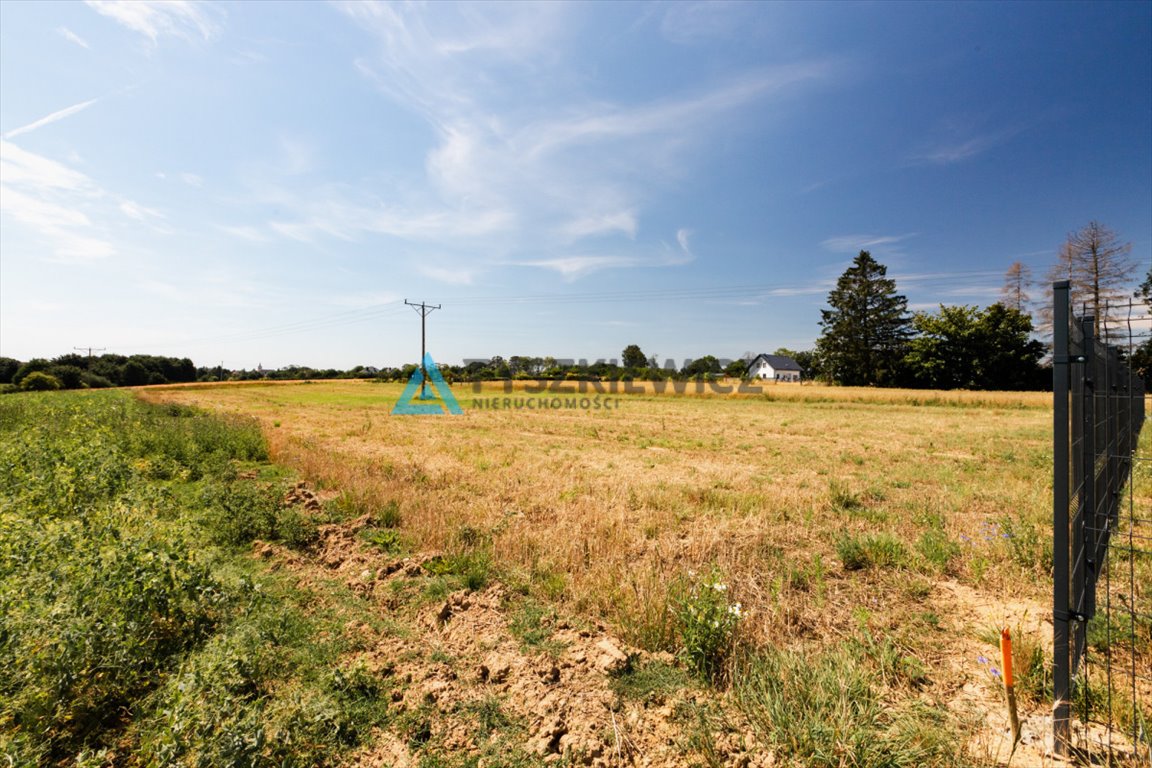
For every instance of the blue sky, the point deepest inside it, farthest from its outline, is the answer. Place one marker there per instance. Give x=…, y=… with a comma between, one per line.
x=263, y=183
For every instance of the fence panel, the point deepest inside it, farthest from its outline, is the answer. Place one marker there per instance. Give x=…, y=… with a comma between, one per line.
x=1102, y=540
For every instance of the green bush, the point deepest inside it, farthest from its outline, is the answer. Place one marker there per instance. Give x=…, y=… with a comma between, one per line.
x=95, y=381
x=38, y=381
x=236, y=514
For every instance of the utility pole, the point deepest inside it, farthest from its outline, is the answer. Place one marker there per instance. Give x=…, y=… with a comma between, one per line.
x=423, y=310
x=90, y=351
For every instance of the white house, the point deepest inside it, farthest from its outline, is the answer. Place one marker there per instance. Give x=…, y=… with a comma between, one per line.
x=774, y=368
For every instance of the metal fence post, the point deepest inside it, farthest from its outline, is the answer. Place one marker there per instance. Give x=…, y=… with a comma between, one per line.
x=1061, y=672
x=1084, y=521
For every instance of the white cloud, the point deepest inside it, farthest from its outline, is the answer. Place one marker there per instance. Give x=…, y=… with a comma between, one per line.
x=25, y=169
x=48, y=199
x=249, y=233
x=572, y=267
x=71, y=36
x=962, y=142
x=524, y=160
x=48, y=120
x=576, y=266
x=854, y=243
x=682, y=236
x=444, y=275
x=158, y=18
x=697, y=22
x=65, y=209
x=603, y=224
x=139, y=212
x=191, y=179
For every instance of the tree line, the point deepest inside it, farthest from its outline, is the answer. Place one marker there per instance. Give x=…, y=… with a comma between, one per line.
x=868, y=337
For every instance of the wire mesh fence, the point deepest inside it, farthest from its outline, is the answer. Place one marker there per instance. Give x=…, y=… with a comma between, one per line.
x=1102, y=535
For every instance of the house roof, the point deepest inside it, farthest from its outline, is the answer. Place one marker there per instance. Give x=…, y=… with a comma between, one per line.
x=778, y=362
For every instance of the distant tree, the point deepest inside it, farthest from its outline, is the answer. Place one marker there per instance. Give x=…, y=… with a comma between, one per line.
x=71, y=358
x=69, y=376
x=962, y=347
x=702, y=366
x=134, y=374
x=866, y=330
x=8, y=368
x=110, y=367
x=32, y=366
x=737, y=369
x=1144, y=291
x=38, y=381
x=944, y=353
x=500, y=368
x=1017, y=281
x=632, y=357
x=94, y=381
x=1097, y=265
x=1011, y=355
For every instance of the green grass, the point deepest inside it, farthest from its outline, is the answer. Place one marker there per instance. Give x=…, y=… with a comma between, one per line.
x=533, y=624
x=821, y=710
x=880, y=550
x=134, y=622
x=653, y=681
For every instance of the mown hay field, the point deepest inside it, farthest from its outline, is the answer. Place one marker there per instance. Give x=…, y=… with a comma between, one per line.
x=829, y=511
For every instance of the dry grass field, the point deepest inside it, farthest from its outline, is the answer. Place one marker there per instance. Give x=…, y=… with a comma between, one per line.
x=906, y=526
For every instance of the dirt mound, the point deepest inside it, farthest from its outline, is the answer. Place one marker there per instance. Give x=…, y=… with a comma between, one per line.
x=466, y=681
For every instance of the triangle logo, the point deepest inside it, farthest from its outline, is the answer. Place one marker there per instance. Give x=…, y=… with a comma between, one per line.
x=405, y=405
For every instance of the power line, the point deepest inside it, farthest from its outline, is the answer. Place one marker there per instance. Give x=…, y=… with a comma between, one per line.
x=90, y=351
x=423, y=310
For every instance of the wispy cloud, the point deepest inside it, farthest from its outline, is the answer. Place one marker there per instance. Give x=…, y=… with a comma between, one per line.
x=444, y=275
x=139, y=212
x=574, y=266
x=682, y=236
x=68, y=211
x=602, y=224
x=247, y=232
x=961, y=143
x=71, y=36
x=560, y=170
x=191, y=179
x=49, y=198
x=49, y=119
x=854, y=243
x=688, y=23
x=158, y=18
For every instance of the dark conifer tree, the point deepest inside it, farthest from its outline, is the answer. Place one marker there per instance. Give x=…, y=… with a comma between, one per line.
x=867, y=328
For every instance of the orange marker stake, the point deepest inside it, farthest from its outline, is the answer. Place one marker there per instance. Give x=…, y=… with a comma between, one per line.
x=1006, y=657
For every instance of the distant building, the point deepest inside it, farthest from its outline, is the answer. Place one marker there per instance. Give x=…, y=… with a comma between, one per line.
x=774, y=368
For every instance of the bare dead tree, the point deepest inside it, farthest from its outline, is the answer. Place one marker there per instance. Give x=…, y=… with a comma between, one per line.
x=1017, y=283
x=1100, y=271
